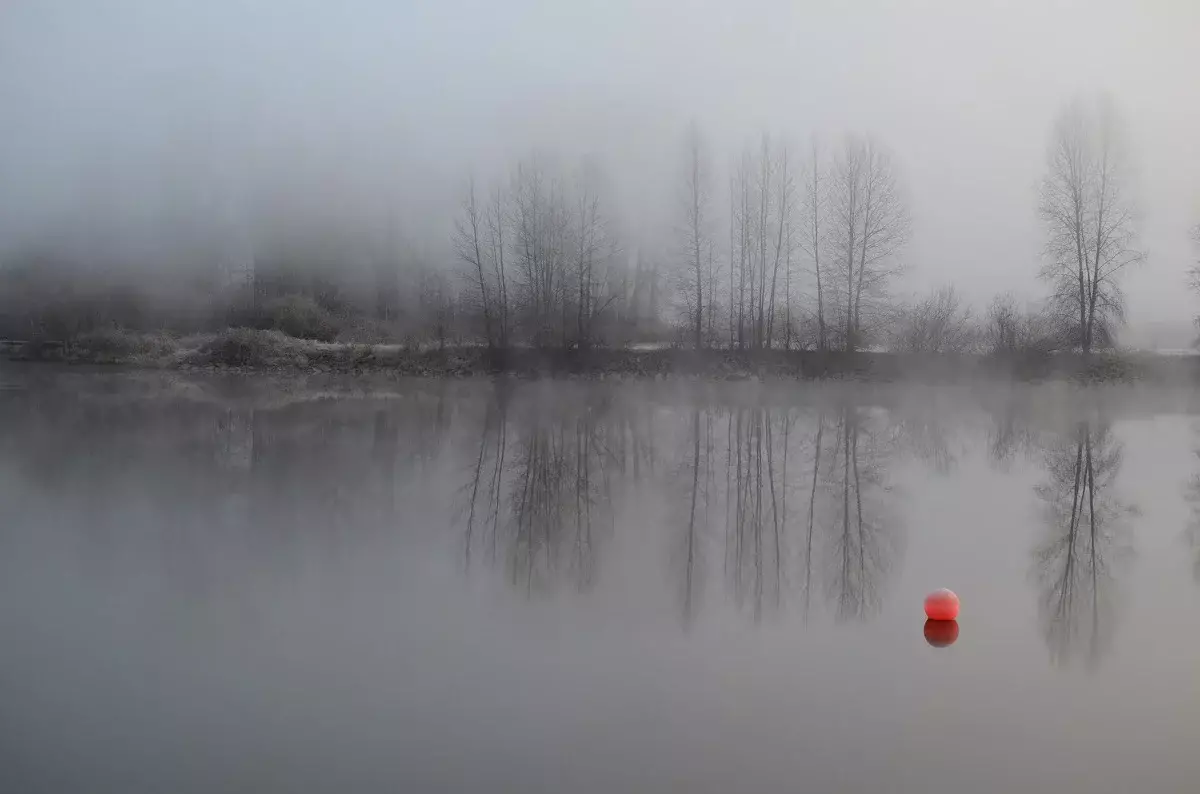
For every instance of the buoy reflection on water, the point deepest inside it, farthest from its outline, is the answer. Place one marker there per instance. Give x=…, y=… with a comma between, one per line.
x=941, y=633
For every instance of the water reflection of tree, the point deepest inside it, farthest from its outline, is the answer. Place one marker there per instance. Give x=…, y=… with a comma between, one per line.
x=1191, y=494
x=538, y=497
x=1009, y=435
x=756, y=505
x=817, y=446
x=484, y=490
x=845, y=537
x=923, y=429
x=539, y=488
x=1076, y=563
x=862, y=536
x=689, y=544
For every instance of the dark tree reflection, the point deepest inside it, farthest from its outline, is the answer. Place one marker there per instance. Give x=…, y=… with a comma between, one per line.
x=817, y=446
x=690, y=542
x=862, y=536
x=1009, y=435
x=484, y=490
x=807, y=506
x=924, y=430
x=756, y=544
x=1076, y=564
x=1191, y=494
x=539, y=492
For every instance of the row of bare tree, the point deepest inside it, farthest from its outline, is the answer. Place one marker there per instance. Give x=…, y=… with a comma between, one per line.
x=544, y=261
x=802, y=253
x=813, y=243
x=813, y=248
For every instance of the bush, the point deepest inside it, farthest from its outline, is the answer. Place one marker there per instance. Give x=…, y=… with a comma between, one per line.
x=296, y=315
x=939, y=323
x=115, y=345
x=301, y=317
x=248, y=347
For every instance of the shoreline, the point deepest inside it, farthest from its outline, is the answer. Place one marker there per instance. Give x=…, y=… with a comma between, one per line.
x=271, y=352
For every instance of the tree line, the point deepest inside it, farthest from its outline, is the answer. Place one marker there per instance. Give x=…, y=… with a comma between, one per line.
x=805, y=252
x=775, y=247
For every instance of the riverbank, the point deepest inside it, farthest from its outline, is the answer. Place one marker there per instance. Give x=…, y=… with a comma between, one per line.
x=271, y=351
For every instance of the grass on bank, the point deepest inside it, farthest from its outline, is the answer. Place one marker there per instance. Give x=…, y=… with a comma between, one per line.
x=273, y=350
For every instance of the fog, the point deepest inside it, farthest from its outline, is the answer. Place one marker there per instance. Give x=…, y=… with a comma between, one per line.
x=161, y=130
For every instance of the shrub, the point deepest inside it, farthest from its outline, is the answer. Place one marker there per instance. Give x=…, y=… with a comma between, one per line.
x=248, y=347
x=939, y=323
x=296, y=315
x=116, y=345
x=301, y=317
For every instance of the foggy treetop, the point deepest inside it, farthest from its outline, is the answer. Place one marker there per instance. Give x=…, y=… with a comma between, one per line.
x=150, y=133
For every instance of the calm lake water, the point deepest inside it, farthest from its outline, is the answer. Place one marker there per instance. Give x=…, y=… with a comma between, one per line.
x=262, y=585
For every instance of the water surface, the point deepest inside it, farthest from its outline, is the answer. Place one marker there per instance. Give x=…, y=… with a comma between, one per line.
x=273, y=585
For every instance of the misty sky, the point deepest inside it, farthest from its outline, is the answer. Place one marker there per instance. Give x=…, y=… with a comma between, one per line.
x=377, y=109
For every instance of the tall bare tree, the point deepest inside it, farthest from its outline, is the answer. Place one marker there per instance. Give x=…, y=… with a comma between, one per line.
x=741, y=251
x=496, y=220
x=812, y=231
x=761, y=242
x=1194, y=273
x=470, y=243
x=869, y=225
x=784, y=189
x=695, y=235
x=540, y=227
x=1090, y=222
x=764, y=170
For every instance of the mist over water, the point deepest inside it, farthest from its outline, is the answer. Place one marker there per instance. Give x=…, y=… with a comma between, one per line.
x=234, y=584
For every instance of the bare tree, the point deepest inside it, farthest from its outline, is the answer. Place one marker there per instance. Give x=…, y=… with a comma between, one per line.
x=869, y=225
x=761, y=243
x=761, y=218
x=694, y=235
x=1002, y=325
x=1009, y=328
x=784, y=190
x=595, y=248
x=1090, y=222
x=1194, y=273
x=741, y=251
x=496, y=222
x=469, y=242
x=812, y=231
x=540, y=226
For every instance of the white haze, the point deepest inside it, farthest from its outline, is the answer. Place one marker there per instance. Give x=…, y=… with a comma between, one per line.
x=148, y=126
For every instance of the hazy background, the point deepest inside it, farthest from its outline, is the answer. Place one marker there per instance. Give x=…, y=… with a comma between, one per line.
x=143, y=126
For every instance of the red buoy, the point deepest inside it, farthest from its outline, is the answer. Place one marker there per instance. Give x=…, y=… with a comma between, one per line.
x=941, y=604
